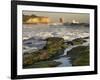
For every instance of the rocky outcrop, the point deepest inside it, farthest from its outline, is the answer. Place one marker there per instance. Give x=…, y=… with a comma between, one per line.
x=54, y=47
x=44, y=64
x=76, y=41
x=79, y=56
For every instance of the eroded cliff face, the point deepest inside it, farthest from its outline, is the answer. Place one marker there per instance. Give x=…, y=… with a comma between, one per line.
x=32, y=19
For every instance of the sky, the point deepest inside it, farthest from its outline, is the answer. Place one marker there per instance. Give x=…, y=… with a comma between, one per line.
x=68, y=17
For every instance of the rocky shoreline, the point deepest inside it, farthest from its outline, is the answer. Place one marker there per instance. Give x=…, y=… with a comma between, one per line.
x=55, y=47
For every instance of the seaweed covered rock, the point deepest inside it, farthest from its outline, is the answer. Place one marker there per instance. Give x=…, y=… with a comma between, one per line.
x=44, y=64
x=76, y=41
x=79, y=56
x=54, y=47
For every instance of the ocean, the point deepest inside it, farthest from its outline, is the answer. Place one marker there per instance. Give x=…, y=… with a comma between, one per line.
x=43, y=31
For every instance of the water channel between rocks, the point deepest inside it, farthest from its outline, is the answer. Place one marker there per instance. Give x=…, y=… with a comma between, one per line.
x=66, y=60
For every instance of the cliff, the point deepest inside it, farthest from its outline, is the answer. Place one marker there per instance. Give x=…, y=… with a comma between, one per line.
x=33, y=19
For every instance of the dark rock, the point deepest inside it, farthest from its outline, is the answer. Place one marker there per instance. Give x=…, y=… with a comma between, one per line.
x=44, y=64
x=79, y=56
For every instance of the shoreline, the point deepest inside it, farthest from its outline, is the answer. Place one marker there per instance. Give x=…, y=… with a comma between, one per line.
x=57, y=56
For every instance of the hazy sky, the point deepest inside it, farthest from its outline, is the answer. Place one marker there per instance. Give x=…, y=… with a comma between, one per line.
x=68, y=17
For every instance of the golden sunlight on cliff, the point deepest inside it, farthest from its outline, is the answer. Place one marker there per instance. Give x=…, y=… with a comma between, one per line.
x=38, y=20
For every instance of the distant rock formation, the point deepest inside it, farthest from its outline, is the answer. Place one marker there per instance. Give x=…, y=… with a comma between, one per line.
x=77, y=24
x=33, y=19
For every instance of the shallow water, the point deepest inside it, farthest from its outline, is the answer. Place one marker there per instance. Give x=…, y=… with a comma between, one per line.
x=66, y=60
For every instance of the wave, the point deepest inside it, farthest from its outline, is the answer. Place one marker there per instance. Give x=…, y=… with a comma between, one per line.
x=66, y=32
